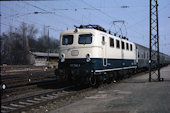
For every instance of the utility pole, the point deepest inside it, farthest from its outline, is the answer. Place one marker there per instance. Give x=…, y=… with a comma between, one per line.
x=25, y=43
x=154, y=61
x=48, y=45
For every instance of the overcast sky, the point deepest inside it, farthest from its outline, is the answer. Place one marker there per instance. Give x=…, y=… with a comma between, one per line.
x=64, y=14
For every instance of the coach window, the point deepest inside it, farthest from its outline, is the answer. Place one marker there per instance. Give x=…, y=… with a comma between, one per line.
x=131, y=47
x=123, y=45
x=111, y=42
x=127, y=46
x=67, y=39
x=117, y=44
x=85, y=39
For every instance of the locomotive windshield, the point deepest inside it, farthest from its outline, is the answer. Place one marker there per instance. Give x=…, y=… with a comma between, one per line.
x=85, y=39
x=67, y=39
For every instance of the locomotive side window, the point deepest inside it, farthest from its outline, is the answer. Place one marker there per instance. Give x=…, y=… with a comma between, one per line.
x=103, y=39
x=127, y=46
x=131, y=47
x=117, y=44
x=111, y=42
x=123, y=45
x=85, y=39
x=67, y=40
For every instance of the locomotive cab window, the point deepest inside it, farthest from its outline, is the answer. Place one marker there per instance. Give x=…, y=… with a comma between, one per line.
x=67, y=40
x=131, y=47
x=111, y=42
x=123, y=45
x=85, y=39
x=117, y=44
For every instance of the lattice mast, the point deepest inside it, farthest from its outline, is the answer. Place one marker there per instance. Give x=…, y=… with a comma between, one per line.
x=154, y=61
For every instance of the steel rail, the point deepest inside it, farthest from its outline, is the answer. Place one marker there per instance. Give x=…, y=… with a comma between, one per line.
x=26, y=102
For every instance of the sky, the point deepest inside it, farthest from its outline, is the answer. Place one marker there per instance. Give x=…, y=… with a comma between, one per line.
x=61, y=15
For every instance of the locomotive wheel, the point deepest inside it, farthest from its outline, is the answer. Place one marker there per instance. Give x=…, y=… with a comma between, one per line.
x=93, y=81
x=109, y=80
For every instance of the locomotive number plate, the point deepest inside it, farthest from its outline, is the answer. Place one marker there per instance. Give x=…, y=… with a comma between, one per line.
x=74, y=52
x=74, y=65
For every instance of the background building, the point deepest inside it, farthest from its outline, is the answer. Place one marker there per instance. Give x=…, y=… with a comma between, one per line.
x=41, y=59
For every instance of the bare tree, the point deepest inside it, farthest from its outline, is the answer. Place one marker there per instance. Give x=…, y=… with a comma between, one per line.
x=17, y=43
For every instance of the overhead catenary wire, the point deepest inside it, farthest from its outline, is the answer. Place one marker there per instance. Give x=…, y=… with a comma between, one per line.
x=32, y=22
x=76, y=10
x=58, y=15
x=8, y=25
x=45, y=11
x=131, y=28
x=112, y=18
x=136, y=23
x=99, y=10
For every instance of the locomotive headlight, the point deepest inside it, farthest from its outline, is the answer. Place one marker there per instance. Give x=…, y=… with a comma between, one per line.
x=88, y=58
x=62, y=58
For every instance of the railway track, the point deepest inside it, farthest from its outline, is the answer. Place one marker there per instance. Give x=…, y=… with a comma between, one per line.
x=27, y=82
x=62, y=96
x=21, y=89
x=24, y=103
x=15, y=69
x=10, y=92
x=25, y=78
x=25, y=90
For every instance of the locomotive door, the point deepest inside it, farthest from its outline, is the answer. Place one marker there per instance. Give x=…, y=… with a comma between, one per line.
x=104, y=51
x=137, y=54
x=122, y=47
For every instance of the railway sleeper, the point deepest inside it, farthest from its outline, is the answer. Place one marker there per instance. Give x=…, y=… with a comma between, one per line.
x=7, y=108
x=16, y=105
x=25, y=103
x=32, y=101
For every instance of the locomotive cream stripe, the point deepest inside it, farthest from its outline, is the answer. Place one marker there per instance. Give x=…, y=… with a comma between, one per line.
x=115, y=69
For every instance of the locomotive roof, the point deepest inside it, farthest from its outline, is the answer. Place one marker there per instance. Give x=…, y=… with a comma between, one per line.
x=92, y=31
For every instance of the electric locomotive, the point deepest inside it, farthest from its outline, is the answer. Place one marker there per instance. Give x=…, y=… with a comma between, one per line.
x=90, y=55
